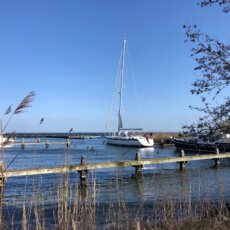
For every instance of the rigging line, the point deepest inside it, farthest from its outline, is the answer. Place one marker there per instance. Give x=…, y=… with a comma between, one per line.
x=139, y=110
x=121, y=85
x=114, y=103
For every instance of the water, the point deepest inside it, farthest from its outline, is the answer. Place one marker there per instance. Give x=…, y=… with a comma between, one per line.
x=109, y=186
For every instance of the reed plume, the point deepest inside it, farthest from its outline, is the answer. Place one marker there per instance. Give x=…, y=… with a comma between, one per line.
x=8, y=110
x=25, y=103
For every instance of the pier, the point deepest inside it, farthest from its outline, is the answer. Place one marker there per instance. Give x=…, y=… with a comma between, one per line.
x=138, y=163
x=47, y=143
x=60, y=135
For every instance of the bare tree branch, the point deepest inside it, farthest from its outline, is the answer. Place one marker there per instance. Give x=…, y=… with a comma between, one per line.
x=224, y=4
x=212, y=59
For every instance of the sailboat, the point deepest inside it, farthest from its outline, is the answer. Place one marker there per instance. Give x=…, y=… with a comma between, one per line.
x=124, y=136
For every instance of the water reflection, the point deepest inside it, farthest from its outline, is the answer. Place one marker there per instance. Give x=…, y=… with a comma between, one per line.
x=139, y=184
x=144, y=151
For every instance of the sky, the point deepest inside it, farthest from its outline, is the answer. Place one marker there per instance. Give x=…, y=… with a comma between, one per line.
x=67, y=51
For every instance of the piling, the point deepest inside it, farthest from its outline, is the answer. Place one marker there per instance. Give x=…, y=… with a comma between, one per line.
x=83, y=172
x=67, y=143
x=217, y=160
x=182, y=163
x=162, y=143
x=138, y=168
x=22, y=145
x=47, y=144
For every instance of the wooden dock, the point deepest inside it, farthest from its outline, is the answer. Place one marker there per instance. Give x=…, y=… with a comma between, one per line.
x=138, y=164
x=47, y=143
x=60, y=135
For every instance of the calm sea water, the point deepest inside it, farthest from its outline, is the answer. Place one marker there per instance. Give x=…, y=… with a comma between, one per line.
x=200, y=180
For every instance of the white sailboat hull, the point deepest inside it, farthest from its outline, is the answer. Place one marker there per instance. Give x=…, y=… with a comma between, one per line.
x=137, y=141
x=3, y=139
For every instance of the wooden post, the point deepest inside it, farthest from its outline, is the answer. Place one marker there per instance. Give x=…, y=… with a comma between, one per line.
x=182, y=153
x=217, y=160
x=83, y=173
x=83, y=179
x=138, y=168
x=182, y=164
x=67, y=143
x=162, y=143
x=22, y=145
x=47, y=144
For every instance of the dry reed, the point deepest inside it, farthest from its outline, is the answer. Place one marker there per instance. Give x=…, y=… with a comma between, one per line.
x=76, y=206
x=73, y=210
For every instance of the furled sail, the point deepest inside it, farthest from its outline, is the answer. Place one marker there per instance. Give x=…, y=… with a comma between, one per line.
x=120, y=124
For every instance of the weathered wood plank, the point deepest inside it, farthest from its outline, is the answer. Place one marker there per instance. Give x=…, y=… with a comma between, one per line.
x=104, y=165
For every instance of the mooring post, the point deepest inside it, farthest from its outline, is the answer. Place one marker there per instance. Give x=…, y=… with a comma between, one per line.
x=83, y=172
x=217, y=160
x=47, y=144
x=162, y=143
x=67, y=143
x=182, y=163
x=138, y=168
x=23, y=144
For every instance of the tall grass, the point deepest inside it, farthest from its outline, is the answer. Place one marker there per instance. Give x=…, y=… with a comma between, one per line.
x=76, y=207
x=25, y=103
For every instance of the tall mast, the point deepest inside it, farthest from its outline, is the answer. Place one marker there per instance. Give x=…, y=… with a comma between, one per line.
x=121, y=86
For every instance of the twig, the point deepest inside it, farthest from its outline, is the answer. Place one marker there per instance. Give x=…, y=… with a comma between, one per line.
x=10, y=163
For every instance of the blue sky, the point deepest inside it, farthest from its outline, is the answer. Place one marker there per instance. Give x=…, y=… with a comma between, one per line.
x=67, y=51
